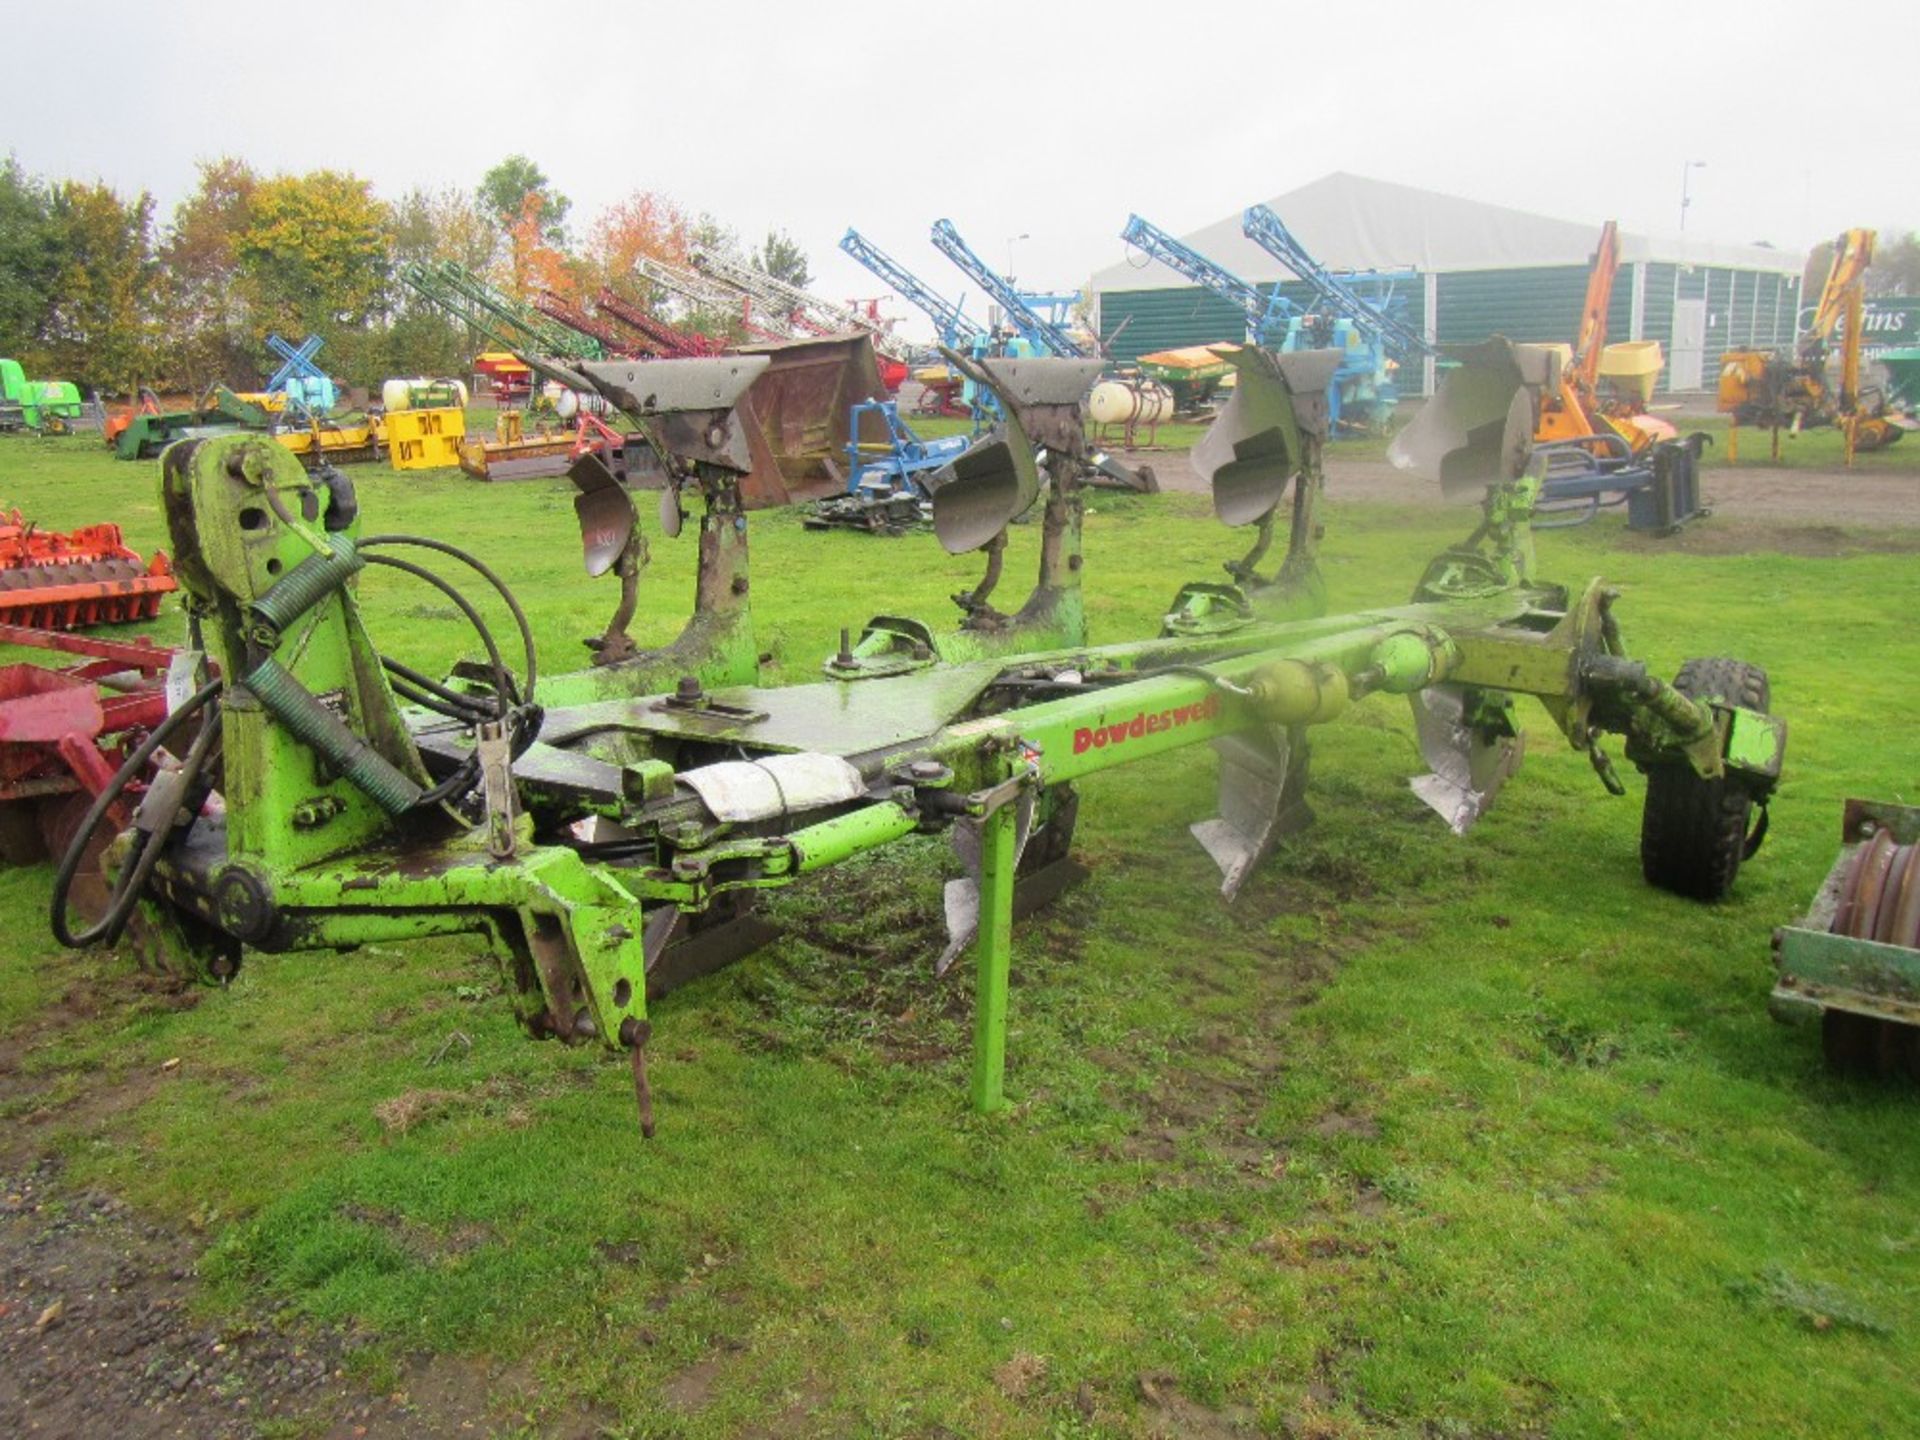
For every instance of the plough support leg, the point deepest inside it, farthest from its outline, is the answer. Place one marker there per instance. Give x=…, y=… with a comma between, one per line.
x=993, y=956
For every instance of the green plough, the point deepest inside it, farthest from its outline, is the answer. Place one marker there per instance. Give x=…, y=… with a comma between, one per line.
x=608, y=831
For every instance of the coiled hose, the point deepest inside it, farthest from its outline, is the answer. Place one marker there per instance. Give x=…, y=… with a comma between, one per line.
x=133, y=878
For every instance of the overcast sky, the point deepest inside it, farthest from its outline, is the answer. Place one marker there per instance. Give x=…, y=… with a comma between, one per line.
x=1049, y=121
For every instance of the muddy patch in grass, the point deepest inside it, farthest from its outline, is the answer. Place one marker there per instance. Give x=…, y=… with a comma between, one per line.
x=861, y=976
x=422, y=1242
x=799, y=1410
x=106, y=996
x=1343, y=1122
x=1208, y=1107
x=692, y=1388
x=90, y=1289
x=1171, y=1415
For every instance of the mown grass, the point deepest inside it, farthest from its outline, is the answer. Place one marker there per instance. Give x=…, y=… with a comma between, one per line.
x=1426, y=1135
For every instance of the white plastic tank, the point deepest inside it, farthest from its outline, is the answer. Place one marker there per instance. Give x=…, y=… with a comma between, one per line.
x=568, y=404
x=1133, y=400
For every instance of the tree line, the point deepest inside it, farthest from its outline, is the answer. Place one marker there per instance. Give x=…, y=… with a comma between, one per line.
x=95, y=290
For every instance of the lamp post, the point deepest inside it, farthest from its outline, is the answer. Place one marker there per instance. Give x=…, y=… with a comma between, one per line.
x=1011, y=240
x=1686, y=175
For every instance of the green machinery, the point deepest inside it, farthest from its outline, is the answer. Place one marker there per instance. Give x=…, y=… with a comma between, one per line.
x=608, y=834
x=49, y=406
x=220, y=412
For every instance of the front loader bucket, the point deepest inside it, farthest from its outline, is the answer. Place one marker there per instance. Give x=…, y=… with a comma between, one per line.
x=1478, y=428
x=1254, y=448
x=797, y=416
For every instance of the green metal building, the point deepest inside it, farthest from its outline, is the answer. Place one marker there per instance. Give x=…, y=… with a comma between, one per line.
x=1474, y=271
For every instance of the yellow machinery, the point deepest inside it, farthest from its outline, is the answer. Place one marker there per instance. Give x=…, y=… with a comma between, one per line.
x=335, y=439
x=339, y=439
x=1573, y=409
x=425, y=439
x=513, y=452
x=1791, y=392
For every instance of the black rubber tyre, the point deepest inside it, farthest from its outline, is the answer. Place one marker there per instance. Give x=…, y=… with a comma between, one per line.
x=1693, y=832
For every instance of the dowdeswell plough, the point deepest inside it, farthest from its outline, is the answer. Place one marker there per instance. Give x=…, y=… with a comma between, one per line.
x=609, y=843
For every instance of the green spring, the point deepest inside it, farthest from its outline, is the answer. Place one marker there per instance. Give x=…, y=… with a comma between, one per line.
x=317, y=727
x=308, y=583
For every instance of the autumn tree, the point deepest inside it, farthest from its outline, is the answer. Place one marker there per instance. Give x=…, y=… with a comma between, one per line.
x=532, y=220
x=203, y=307
x=431, y=226
x=647, y=224
x=504, y=191
x=449, y=224
x=783, y=259
x=533, y=262
x=100, y=325
x=315, y=259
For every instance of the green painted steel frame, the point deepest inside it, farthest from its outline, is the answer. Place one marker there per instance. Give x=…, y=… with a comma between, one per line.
x=928, y=746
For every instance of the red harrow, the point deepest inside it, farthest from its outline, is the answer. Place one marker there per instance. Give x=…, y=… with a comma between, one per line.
x=65, y=731
x=54, y=580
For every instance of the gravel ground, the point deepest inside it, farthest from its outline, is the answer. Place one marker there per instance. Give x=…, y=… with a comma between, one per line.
x=1764, y=496
x=101, y=1335
x=98, y=1337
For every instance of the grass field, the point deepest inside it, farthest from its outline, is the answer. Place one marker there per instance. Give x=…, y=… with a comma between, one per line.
x=1425, y=1136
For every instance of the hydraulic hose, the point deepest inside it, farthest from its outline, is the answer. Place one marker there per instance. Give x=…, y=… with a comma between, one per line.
x=465, y=709
x=485, y=573
x=503, y=682
x=127, y=892
x=425, y=691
